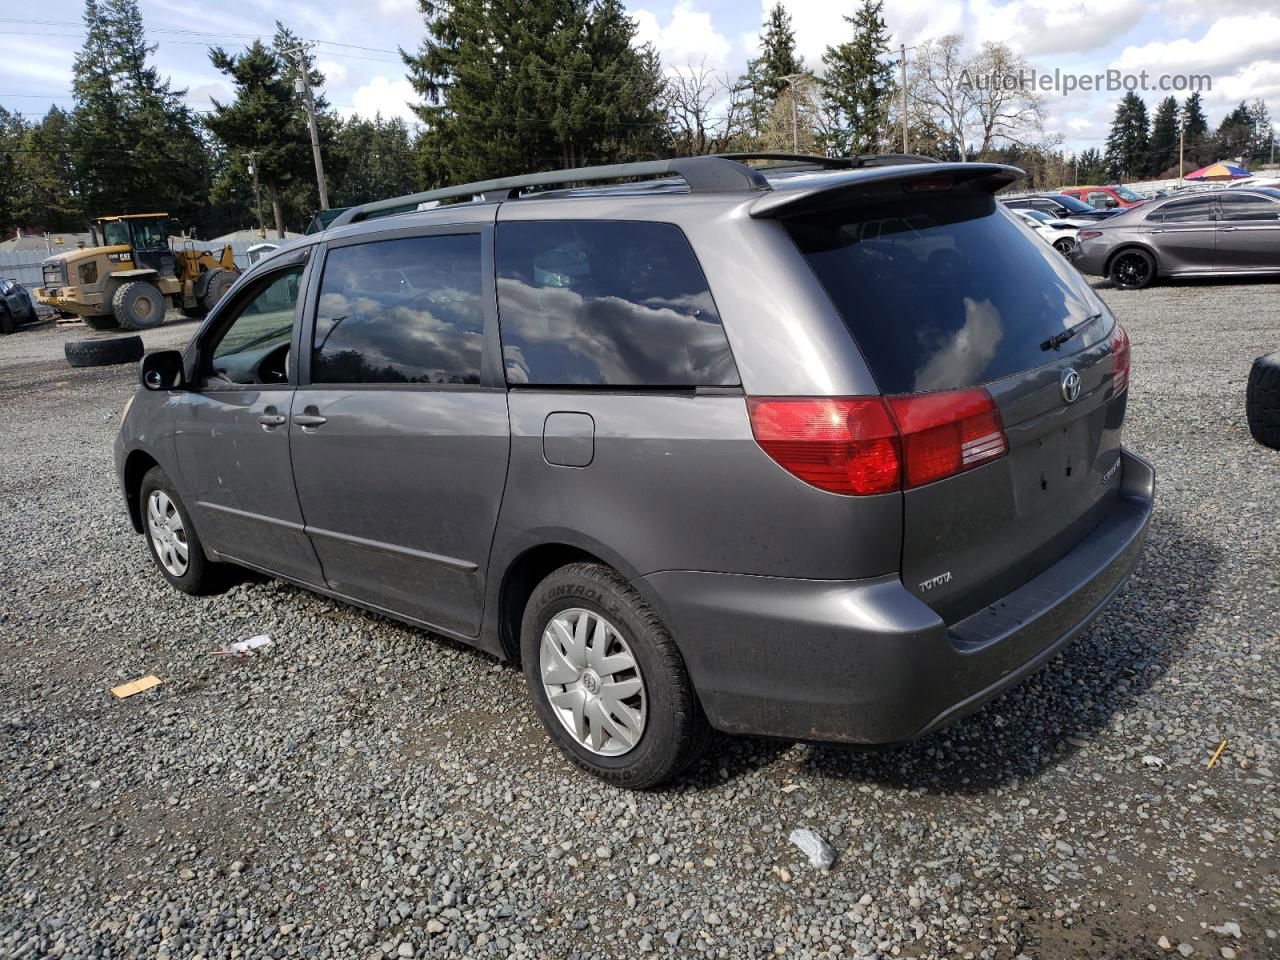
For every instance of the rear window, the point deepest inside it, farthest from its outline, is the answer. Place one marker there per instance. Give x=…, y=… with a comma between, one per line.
x=607, y=304
x=946, y=292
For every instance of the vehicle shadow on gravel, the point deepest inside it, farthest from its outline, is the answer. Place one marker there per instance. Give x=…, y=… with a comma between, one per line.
x=1046, y=718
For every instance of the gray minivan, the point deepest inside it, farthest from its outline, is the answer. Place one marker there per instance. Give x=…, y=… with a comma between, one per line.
x=824, y=450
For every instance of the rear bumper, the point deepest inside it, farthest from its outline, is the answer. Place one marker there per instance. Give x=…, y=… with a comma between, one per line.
x=865, y=661
x=1090, y=256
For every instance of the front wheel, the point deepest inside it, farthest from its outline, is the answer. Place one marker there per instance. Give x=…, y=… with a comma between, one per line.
x=1064, y=245
x=607, y=680
x=139, y=305
x=172, y=539
x=7, y=324
x=1133, y=270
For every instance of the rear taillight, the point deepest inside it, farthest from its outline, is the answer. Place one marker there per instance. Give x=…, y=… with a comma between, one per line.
x=866, y=445
x=947, y=433
x=840, y=444
x=1088, y=234
x=1120, y=350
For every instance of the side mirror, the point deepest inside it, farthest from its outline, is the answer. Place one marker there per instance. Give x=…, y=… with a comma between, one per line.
x=163, y=371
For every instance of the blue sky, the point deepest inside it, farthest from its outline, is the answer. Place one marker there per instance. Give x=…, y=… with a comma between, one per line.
x=1234, y=41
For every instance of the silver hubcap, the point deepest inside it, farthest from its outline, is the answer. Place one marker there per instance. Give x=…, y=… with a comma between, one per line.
x=168, y=535
x=593, y=682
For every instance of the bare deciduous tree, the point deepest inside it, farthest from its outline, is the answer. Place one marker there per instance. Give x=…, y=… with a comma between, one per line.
x=705, y=112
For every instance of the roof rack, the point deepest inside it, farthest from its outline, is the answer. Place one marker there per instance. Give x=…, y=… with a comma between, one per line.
x=718, y=173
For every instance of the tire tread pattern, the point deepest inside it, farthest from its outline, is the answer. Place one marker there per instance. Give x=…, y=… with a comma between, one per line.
x=1262, y=401
x=103, y=352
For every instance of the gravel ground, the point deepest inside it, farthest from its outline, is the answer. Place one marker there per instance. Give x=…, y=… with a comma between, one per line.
x=362, y=790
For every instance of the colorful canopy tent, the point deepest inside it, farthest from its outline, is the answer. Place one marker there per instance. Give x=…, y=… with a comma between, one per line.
x=1219, y=171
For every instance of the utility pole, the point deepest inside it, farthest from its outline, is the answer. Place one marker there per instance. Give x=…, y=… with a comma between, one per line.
x=902, y=66
x=1182, y=142
x=257, y=192
x=303, y=86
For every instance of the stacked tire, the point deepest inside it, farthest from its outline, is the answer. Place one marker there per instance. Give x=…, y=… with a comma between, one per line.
x=1262, y=401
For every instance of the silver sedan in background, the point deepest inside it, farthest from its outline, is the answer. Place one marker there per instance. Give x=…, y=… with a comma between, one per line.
x=1234, y=233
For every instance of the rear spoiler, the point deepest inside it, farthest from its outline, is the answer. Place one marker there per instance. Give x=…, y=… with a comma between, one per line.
x=828, y=191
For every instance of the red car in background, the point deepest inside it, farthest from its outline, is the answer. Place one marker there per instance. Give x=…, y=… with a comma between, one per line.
x=1105, y=198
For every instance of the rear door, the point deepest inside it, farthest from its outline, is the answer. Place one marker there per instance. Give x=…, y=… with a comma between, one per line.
x=951, y=299
x=1249, y=232
x=1184, y=234
x=399, y=432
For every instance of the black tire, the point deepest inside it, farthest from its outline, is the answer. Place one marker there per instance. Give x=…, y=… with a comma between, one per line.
x=219, y=283
x=1132, y=269
x=7, y=324
x=1262, y=401
x=103, y=321
x=202, y=575
x=103, y=353
x=138, y=305
x=675, y=732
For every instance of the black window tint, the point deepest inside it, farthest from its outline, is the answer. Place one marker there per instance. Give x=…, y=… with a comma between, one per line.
x=945, y=292
x=1189, y=210
x=607, y=304
x=401, y=311
x=1248, y=208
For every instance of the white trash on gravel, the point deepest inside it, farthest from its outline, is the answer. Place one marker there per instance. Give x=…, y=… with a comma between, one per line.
x=814, y=847
x=245, y=646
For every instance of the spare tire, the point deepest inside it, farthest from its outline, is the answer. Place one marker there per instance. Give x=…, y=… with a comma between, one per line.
x=101, y=353
x=1262, y=401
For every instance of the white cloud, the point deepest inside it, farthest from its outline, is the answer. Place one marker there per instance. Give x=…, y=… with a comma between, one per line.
x=1230, y=43
x=389, y=97
x=688, y=37
x=335, y=73
x=1049, y=26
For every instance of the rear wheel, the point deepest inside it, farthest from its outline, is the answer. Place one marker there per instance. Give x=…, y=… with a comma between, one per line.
x=172, y=539
x=139, y=305
x=7, y=324
x=607, y=680
x=1132, y=269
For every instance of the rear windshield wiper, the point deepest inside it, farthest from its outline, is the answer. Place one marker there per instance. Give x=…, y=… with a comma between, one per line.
x=1058, y=339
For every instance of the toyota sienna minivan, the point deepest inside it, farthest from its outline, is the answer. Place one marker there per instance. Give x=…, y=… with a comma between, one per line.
x=822, y=450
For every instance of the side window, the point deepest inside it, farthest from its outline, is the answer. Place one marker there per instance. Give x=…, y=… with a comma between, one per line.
x=254, y=349
x=1189, y=211
x=1097, y=199
x=607, y=304
x=1248, y=207
x=409, y=310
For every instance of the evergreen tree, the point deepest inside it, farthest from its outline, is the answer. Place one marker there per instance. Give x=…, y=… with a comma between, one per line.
x=12, y=129
x=858, y=83
x=509, y=86
x=1198, y=149
x=264, y=119
x=1129, y=144
x=134, y=146
x=1164, y=138
x=1234, y=137
x=767, y=75
x=373, y=159
x=1264, y=134
x=1091, y=166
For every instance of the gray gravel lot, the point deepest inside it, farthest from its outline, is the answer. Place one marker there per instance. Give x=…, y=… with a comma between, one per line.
x=363, y=790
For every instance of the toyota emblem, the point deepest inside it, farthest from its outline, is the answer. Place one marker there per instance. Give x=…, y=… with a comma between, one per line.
x=1070, y=385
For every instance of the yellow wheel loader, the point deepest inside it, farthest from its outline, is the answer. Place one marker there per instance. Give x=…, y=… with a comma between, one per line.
x=134, y=275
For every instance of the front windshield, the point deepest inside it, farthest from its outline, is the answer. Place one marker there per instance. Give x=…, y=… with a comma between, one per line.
x=1127, y=195
x=1072, y=204
x=115, y=233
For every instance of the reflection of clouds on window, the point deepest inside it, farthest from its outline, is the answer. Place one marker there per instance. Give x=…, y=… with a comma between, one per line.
x=375, y=325
x=609, y=304
x=963, y=356
x=612, y=341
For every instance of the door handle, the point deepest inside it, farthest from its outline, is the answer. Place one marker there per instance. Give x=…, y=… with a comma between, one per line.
x=271, y=417
x=309, y=417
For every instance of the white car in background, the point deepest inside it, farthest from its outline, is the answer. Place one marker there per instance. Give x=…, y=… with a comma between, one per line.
x=1061, y=234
